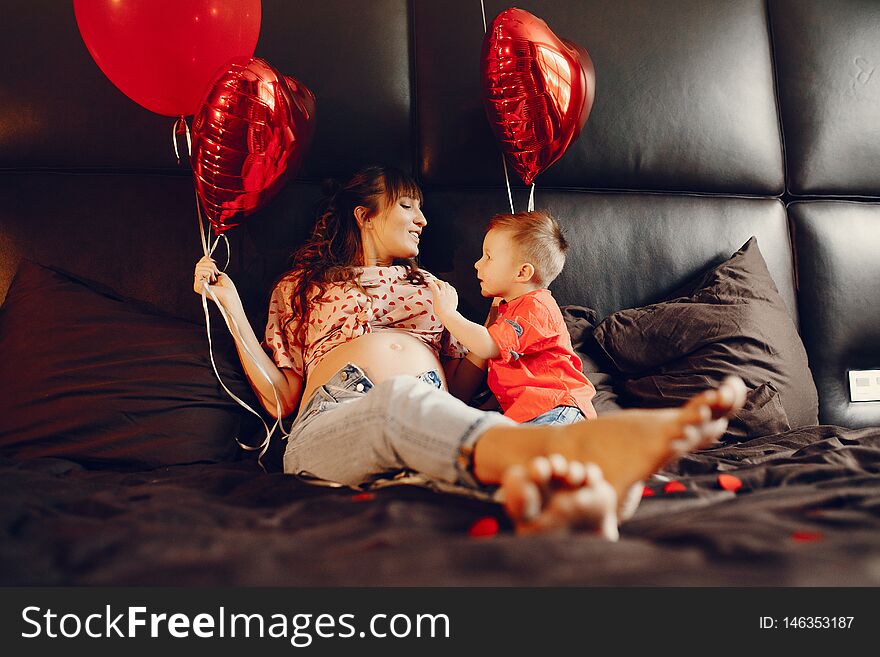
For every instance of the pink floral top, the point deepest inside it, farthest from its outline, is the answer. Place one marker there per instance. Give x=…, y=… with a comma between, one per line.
x=343, y=314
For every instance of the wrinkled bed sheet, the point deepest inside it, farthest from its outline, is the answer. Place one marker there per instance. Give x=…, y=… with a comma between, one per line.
x=807, y=513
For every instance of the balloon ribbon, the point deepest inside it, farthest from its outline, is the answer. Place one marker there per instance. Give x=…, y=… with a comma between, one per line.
x=181, y=128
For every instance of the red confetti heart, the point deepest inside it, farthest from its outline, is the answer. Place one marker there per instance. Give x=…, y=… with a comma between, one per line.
x=484, y=527
x=647, y=492
x=674, y=487
x=363, y=497
x=729, y=482
x=803, y=536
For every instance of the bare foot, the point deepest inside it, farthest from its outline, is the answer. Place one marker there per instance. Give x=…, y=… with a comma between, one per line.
x=553, y=493
x=629, y=447
x=632, y=445
x=627, y=507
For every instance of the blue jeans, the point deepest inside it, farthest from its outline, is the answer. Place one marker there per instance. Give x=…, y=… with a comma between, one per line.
x=352, y=431
x=559, y=415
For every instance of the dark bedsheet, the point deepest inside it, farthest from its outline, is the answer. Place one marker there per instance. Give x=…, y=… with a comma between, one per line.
x=808, y=513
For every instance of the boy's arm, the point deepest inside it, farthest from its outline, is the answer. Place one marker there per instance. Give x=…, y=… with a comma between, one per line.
x=473, y=336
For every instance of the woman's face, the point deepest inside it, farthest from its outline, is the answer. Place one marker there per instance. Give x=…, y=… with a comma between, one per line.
x=395, y=230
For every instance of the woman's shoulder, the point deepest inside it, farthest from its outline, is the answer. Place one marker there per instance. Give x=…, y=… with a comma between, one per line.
x=286, y=282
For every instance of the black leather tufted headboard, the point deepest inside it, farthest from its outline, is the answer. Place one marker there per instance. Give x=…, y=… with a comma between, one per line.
x=714, y=120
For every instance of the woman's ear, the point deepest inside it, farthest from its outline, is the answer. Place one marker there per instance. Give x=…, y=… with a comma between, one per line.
x=360, y=216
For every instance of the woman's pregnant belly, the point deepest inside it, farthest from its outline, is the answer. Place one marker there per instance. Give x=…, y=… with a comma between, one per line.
x=381, y=355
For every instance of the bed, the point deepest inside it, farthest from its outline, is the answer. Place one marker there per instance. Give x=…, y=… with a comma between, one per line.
x=716, y=126
x=801, y=511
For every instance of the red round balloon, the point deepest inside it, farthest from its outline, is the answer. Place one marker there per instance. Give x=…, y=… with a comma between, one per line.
x=163, y=53
x=250, y=134
x=538, y=90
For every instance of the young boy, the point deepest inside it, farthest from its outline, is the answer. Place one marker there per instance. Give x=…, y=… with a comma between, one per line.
x=533, y=370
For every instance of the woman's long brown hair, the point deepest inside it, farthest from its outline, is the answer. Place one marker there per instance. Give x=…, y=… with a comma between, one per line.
x=335, y=248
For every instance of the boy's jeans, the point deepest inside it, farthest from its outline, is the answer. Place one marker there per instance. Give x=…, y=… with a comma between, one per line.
x=559, y=415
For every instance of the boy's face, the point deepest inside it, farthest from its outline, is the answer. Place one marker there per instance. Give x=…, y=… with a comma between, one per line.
x=500, y=264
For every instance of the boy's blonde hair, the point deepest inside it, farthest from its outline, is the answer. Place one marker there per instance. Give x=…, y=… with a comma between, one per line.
x=539, y=239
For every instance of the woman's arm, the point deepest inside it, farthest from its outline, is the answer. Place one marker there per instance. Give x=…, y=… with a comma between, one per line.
x=464, y=376
x=286, y=382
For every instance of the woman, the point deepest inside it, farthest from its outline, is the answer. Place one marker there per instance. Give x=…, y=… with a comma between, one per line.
x=354, y=348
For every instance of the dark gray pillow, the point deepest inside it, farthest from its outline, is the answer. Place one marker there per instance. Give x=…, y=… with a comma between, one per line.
x=580, y=322
x=104, y=380
x=731, y=320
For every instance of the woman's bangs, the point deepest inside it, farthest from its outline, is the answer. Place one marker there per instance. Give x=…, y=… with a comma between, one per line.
x=398, y=185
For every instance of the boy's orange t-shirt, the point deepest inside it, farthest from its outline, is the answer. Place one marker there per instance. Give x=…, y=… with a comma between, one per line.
x=537, y=369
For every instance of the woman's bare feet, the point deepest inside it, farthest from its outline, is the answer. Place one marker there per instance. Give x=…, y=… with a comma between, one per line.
x=626, y=448
x=552, y=493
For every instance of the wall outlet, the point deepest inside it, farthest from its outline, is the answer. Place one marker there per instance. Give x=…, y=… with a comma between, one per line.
x=864, y=385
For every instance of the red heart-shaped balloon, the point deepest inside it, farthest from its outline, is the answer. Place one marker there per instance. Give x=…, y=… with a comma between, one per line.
x=250, y=135
x=538, y=90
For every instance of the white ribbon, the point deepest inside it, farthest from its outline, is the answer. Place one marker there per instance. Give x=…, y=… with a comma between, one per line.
x=233, y=328
x=174, y=129
x=503, y=159
x=208, y=249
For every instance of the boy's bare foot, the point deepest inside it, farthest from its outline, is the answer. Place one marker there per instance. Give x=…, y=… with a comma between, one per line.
x=629, y=446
